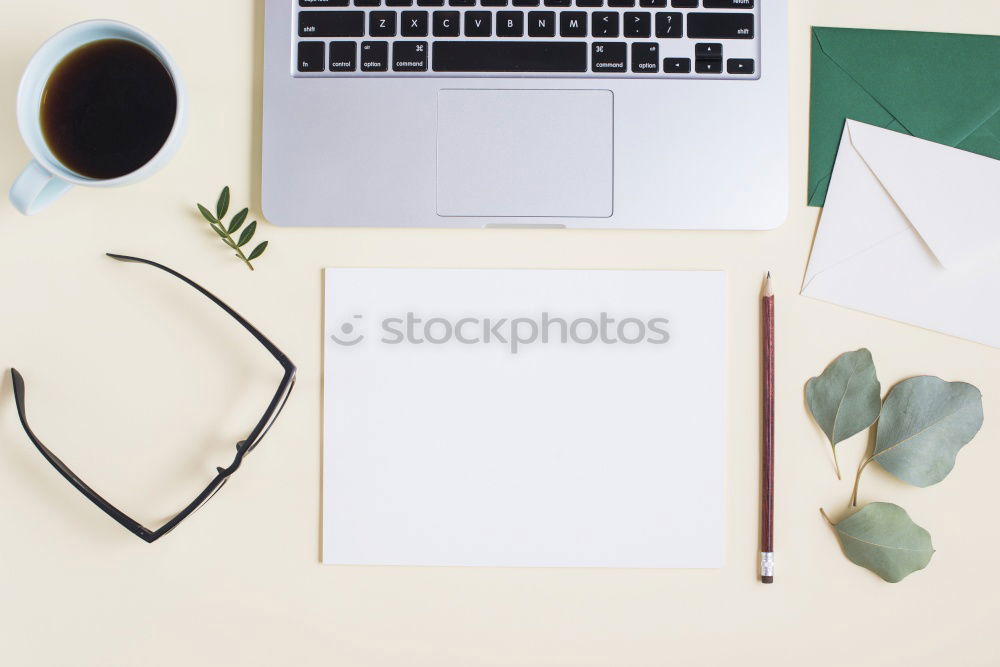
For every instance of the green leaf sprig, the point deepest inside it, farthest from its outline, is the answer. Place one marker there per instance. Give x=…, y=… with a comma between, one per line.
x=920, y=427
x=225, y=232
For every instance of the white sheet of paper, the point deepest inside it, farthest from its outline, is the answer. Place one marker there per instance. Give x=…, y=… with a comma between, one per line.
x=911, y=231
x=545, y=453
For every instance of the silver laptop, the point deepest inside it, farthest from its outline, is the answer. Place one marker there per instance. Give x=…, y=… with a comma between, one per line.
x=606, y=114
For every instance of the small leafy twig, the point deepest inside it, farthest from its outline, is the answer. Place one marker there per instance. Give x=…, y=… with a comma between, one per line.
x=226, y=232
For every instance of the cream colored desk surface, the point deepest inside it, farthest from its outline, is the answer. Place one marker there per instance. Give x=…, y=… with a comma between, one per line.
x=143, y=389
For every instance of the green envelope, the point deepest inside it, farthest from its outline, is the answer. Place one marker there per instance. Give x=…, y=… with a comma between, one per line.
x=940, y=87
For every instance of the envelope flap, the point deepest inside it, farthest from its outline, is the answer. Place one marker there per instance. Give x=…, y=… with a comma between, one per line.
x=939, y=86
x=950, y=196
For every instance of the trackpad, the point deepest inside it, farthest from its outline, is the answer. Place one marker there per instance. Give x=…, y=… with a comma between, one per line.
x=525, y=153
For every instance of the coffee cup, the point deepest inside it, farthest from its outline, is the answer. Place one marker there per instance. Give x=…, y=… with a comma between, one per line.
x=100, y=104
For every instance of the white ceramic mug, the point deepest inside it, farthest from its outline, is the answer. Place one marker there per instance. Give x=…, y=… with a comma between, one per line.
x=45, y=178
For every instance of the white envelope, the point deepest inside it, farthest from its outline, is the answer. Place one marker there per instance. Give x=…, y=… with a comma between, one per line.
x=911, y=231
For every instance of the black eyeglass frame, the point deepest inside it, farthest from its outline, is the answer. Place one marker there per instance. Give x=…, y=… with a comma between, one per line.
x=244, y=447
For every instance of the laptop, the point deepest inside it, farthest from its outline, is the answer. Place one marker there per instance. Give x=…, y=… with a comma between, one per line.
x=603, y=114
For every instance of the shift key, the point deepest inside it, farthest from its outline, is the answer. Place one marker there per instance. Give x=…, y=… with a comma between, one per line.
x=331, y=24
x=718, y=25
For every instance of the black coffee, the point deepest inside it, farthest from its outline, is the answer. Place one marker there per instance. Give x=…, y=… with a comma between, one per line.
x=108, y=108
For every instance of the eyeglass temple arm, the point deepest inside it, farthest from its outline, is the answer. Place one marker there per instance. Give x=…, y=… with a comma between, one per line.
x=285, y=362
x=147, y=534
x=65, y=471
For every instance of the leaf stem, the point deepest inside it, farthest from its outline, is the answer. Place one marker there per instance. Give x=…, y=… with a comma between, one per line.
x=836, y=463
x=823, y=512
x=234, y=246
x=857, y=481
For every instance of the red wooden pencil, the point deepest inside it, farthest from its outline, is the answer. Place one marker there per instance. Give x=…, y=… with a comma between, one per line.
x=767, y=451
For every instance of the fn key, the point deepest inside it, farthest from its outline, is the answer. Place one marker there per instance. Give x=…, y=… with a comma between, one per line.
x=311, y=56
x=409, y=56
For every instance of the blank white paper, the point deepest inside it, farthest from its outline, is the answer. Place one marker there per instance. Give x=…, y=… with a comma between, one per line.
x=452, y=437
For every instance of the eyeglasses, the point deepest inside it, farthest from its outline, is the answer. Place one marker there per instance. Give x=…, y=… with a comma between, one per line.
x=243, y=447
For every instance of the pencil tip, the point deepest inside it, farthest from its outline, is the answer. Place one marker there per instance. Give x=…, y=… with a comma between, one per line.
x=767, y=579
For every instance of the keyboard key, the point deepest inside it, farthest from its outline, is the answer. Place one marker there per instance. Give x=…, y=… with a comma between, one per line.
x=409, y=56
x=478, y=24
x=605, y=24
x=708, y=51
x=322, y=3
x=343, y=56
x=541, y=24
x=311, y=56
x=608, y=57
x=720, y=26
x=557, y=3
x=589, y=3
x=398, y=3
x=446, y=24
x=510, y=24
x=413, y=24
x=637, y=24
x=652, y=3
x=645, y=57
x=740, y=66
x=573, y=24
x=374, y=56
x=331, y=24
x=496, y=56
x=430, y=3
x=669, y=25
x=728, y=4
x=708, y=66
x=367, y=3
x=462, y=3
x=382, y=24
x=493, y=3
x=685, y=3
x=621, y=3
x=676, y=65
x=525, y=3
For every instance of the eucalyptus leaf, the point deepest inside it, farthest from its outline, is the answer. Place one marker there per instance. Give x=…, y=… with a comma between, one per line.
x=883, y=538
x=247, y=234
x=206, y=214
x=237, y=221
x=223, y=204
x=846, y=398
x=258, y=251
x=924, y=422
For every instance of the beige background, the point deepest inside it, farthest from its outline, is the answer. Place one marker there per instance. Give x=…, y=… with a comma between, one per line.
x=143, y=389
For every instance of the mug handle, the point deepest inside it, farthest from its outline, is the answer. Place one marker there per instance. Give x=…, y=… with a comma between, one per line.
x=36, y=188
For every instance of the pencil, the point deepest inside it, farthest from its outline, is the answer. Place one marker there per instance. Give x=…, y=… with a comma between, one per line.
x=767, y=451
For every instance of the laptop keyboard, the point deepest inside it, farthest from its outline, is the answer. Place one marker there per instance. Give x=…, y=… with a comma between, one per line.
x=712, y=39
